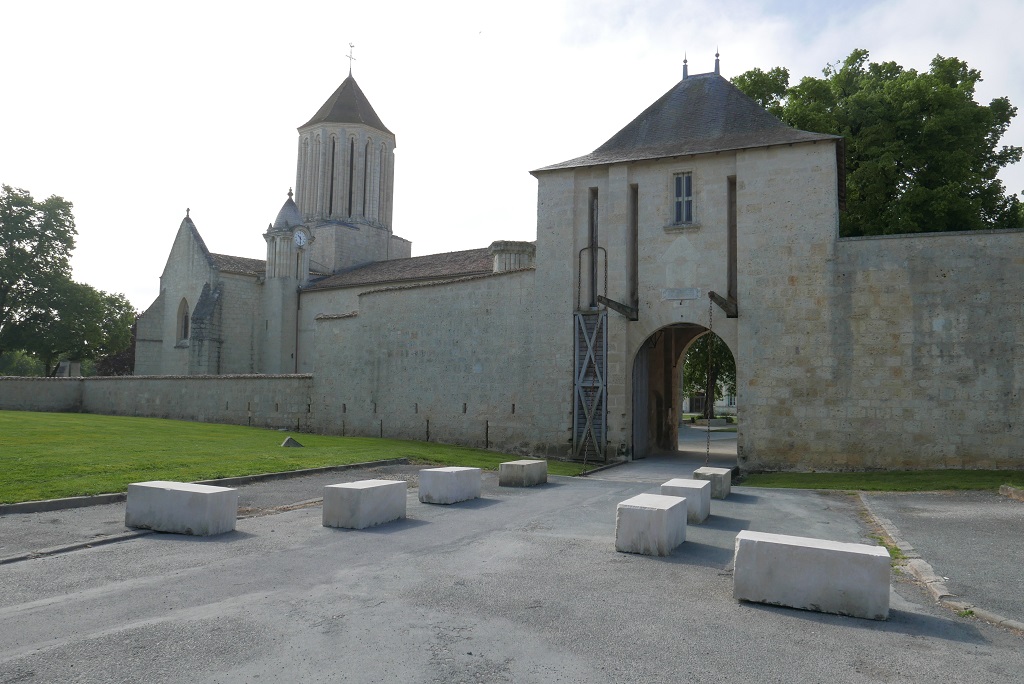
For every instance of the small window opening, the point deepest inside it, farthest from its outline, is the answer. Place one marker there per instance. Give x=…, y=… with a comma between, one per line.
x=683, y=191
x=184, y=321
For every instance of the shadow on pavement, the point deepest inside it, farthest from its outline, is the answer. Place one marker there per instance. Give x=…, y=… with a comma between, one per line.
x=900, y=621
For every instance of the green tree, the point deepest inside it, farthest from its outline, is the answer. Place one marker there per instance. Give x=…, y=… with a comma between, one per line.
x=767, y=88
x=18, y=363
x=43, y=312
x=75, y=321
x=36, y=239
x=717, y=379
x=921, y=154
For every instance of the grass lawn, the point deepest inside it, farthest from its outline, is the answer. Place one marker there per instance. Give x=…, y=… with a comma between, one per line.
x=52, y=455
x=892, y=481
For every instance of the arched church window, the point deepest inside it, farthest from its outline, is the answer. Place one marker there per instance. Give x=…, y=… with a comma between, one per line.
x=184, y=321
x=366, y=178
x=351, y=172
x=318, y=160
x=304, y=163
x=330, y=176
x=382, y=185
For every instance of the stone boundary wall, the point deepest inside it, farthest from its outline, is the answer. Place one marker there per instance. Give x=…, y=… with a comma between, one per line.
x=921, y=364
x=457, y=355
x=271, y=401
x=63, y=395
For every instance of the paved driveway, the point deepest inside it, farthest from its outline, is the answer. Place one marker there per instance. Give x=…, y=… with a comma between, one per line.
x=522, y=585
x=973, y=539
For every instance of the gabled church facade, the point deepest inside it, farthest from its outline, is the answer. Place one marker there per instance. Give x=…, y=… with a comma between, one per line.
x=705, y=213
x=218, y=314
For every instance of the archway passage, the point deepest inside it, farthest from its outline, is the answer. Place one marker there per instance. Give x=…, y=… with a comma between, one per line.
x=658, y=428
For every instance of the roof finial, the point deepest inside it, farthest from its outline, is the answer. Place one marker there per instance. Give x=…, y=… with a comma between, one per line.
x=186, y=212
x=289, y=193
x=716, y=59
x=686, y=69
x=350, y=57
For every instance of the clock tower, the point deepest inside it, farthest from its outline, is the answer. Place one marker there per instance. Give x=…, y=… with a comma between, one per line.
x=288, y=247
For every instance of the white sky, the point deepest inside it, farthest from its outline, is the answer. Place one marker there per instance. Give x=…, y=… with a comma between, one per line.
x=136, y=110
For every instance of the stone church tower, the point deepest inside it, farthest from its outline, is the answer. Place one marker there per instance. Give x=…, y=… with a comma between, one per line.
x=221, y=314
x=288, y=246
x=345, y=183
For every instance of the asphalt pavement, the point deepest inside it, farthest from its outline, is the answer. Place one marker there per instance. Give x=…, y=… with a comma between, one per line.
x=521, y=585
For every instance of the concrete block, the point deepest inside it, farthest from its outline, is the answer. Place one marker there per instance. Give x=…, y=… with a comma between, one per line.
x=812, y=574
x=525, y=473
x=697, y=494
x=651, y=524
x=356, y=505
x=181, y=507
x=449, y=485
x=720, y=478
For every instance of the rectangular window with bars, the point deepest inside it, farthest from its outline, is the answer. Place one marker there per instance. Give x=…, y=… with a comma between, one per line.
x=683, y=190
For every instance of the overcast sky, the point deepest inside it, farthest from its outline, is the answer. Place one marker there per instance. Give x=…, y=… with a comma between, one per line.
x=136, y=110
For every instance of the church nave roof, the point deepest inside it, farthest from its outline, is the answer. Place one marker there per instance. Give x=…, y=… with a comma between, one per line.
x=226, y=263
x=444, y=265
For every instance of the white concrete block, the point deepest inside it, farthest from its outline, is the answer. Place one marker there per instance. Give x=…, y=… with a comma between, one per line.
x=525, y=473
x=181, y=507
x=651, y=524
x=812, y=574
x=357, y=505
x=449, y=485
x=697, y=494
x=720, y=478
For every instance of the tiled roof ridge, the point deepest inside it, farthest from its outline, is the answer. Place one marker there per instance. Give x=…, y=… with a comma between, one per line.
x=428, y=266
x=448, y=281
x=236, y=264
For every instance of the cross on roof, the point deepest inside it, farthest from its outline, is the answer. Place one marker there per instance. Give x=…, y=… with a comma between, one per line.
x=350, y=57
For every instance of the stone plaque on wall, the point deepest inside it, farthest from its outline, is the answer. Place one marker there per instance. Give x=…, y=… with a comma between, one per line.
x=680, y=293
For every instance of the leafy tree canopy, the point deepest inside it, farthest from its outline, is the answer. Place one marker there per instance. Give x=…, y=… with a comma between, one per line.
x=36, y=239
x=699, y=376
x=921, y=154
x=43, y=312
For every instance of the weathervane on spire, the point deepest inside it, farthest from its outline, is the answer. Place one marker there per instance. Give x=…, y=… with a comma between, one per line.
x=350, y=57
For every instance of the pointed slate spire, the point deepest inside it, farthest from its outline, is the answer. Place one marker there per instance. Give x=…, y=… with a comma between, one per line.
x=347, y=105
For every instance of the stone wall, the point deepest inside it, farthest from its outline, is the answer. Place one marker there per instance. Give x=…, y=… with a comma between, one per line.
x=921, y=364
x=242, y=324
x=451, y=362
x=41, y=394
x=260, y=400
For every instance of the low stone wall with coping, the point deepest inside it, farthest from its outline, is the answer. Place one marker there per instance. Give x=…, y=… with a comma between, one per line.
x=271, y=401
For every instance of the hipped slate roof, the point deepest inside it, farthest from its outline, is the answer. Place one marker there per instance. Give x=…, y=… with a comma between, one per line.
x=702, y=113
x=347, y=105
x=449, y=264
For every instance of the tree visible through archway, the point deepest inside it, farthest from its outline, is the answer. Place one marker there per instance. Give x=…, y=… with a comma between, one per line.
x=715, y=382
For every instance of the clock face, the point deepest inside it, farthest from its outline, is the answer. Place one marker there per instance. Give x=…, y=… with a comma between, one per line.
x=300, y=239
